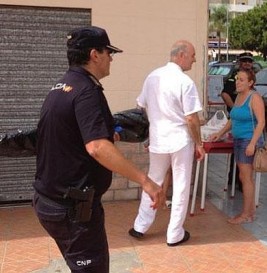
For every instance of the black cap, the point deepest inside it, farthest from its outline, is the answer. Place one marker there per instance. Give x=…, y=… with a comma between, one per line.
x=90, y=37
x=245, y=56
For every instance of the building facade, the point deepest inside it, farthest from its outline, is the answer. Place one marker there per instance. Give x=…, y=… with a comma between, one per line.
x=33, y=56
x=238, y=2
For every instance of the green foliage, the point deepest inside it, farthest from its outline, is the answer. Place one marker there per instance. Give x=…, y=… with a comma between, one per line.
x=249, y=30
x=218, y=22
x=218, y=19
x=262, y=63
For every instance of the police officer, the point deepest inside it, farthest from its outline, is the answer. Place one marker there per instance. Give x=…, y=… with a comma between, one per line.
x=76, y=155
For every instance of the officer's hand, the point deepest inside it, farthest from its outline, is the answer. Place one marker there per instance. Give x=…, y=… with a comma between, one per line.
x=155, y=192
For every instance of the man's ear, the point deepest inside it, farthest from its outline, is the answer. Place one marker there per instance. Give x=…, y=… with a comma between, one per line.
x=93, y=54
x=181, y=54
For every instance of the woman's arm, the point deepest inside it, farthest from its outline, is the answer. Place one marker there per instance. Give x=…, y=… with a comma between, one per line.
x=224, y=130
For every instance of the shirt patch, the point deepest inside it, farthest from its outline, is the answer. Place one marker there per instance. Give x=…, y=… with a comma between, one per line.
x=84, y=263
x=62, y=86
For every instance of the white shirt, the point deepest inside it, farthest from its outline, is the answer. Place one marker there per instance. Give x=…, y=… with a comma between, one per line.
x=168, y=95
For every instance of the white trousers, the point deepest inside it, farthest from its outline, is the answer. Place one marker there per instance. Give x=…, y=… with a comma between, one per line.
x=181, y=162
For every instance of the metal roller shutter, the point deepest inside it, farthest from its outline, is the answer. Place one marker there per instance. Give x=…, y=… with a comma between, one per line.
x=33, y=57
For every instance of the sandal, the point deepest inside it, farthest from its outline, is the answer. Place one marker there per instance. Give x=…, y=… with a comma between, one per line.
x=239, y=219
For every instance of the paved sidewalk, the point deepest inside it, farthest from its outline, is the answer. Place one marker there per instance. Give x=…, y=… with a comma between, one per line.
x=215, y=246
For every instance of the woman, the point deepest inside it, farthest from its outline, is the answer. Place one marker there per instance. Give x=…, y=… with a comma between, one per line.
x=247, y=121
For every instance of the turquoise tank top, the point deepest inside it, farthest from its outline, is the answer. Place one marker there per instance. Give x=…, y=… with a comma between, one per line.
x=241, y=118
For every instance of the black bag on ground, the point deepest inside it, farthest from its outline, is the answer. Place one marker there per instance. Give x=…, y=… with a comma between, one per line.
x=19, y=143
x=132, y=125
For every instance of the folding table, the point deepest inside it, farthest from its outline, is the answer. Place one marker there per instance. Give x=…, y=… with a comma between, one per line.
x=220, y=147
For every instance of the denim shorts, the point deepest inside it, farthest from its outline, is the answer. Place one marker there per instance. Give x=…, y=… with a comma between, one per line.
x=240, y=146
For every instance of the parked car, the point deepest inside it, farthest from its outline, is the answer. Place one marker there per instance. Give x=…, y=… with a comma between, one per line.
x=215, y=84
x=226, y=69
x=261, y=87
x=261, y=82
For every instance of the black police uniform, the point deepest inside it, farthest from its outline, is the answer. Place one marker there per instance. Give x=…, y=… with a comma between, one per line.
x=230, y=89
x=74, y=113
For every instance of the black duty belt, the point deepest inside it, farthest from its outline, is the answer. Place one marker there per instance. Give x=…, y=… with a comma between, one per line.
x=68, y=203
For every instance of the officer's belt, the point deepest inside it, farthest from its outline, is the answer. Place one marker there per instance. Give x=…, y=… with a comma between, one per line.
x=68, y=203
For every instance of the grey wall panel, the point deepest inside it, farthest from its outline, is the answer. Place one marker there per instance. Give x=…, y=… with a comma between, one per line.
x=32, y=58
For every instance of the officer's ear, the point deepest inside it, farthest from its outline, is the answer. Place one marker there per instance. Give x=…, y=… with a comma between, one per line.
x=93, y=54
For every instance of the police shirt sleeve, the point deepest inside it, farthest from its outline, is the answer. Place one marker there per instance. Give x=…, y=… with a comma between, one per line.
x=89, y=115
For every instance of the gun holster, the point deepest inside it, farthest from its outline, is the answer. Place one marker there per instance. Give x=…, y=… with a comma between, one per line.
x=83, y=200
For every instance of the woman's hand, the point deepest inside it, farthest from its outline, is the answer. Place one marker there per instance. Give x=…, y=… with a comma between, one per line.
x=250, y=150
x=214, y=137
x=217, y=136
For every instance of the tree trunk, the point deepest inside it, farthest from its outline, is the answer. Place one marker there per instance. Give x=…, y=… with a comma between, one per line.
x=219, y=46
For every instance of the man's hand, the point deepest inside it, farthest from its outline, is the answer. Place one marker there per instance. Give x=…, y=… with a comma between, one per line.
x=155, y=192
x=200, y=152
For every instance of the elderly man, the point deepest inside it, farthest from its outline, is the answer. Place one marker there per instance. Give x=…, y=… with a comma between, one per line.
x=172, y=103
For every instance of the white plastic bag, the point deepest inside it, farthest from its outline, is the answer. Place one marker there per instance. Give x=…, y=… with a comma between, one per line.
x=216, y=123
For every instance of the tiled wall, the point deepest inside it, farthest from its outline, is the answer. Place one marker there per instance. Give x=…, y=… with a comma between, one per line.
x=122, y=188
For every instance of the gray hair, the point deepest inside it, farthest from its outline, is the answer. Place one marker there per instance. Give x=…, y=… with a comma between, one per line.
x=178, y=47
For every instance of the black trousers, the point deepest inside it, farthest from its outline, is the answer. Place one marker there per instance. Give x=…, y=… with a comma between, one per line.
x=84, y=246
